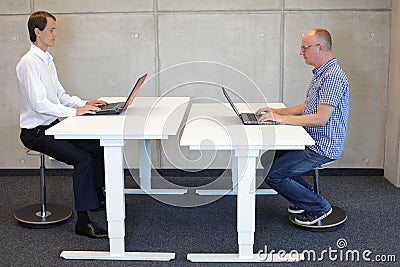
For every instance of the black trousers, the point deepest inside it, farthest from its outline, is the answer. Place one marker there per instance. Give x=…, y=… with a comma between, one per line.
x=87, y=157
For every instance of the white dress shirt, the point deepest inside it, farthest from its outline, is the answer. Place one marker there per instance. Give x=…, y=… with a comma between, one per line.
x=42, y=97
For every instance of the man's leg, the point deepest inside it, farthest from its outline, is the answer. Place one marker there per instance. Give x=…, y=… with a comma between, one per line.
x=271, y=156
x=284, y=177
x=97, y=154
x=83, y=180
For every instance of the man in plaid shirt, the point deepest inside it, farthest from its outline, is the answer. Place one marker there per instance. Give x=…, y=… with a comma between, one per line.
x=324, y=115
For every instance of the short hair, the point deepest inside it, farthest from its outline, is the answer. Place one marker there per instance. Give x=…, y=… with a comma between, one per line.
x=325, y=36
x=38, y=20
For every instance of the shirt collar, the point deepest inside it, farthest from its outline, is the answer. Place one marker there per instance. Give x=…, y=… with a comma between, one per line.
x=322, y=68
x=45, y=56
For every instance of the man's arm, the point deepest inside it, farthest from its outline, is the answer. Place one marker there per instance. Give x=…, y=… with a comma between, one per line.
x=290, y=117
x=295, y=110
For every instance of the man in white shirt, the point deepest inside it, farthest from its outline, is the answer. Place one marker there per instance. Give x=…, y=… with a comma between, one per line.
x=42, y=101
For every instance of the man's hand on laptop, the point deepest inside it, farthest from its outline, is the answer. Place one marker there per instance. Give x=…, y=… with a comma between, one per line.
x=263, y=110
x=266, y=114
x=97, y=103
x=91, y=107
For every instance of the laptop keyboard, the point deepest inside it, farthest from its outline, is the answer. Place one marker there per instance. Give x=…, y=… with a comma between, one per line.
x=112, y=106
x=251, y=117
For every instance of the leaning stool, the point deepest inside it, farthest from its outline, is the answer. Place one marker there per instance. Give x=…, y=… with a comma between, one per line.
x=42, y=215
x=331, y=223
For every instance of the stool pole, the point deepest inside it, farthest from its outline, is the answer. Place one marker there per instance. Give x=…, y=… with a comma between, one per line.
x=42, y=185
x=42, y=215
x=316, y=180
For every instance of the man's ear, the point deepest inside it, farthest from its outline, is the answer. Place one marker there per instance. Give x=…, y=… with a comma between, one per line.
x=36, y=31
x=321, y=47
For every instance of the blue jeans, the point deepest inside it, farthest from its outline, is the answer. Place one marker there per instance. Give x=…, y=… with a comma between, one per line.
x=284, y=177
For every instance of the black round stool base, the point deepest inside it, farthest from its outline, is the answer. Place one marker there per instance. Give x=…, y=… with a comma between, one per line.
x=333, y=222
x=30, y=216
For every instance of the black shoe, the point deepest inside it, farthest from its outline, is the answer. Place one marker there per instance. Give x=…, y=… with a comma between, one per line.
x=91, y=230
x=102, y=206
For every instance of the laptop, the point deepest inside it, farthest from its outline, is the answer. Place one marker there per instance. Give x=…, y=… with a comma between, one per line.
x=247, y=118
x=118, y=107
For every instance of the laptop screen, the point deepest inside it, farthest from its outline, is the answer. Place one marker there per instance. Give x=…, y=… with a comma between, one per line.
x=230, y=100
x=134, y=91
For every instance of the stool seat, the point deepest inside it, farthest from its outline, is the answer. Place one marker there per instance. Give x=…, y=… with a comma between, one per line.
x=42, y=215
x=332, y=222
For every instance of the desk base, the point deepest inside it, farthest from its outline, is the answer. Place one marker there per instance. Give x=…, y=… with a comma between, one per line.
x=103, y=255
x=229, y=192
x=155, y=192
x=235, y=258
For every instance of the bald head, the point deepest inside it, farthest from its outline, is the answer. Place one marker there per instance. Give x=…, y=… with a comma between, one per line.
x=316, y=47
x=322, y=36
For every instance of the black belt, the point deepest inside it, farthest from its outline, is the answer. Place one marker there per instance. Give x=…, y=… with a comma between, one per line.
x=41, y=128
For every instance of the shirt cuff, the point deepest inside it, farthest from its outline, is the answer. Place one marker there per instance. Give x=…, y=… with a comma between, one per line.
x=83, y=103
x=71, y=112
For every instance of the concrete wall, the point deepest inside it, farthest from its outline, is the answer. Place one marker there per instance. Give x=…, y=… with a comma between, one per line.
x=392, y=148
x=103, y=46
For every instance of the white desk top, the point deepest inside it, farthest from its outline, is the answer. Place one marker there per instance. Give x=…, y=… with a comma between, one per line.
x=216, y=126
x=146, y=118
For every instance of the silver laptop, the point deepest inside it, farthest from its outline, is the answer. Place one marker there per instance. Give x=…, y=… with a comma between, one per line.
x=118, y=107
x=247, y=118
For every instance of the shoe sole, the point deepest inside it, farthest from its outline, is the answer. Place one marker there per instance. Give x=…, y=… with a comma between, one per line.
x=314, y=221
x=295, y=211
x=99, y=209
x=91, y=236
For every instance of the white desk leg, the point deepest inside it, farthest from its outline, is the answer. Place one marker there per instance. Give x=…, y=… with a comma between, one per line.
x=246, y=199
x=144, y=155
x=234, y=167
x=115, y=201
x=244, y=170
x=218, y=192
x=246, y=174
x=145, y=166
x=114, y=170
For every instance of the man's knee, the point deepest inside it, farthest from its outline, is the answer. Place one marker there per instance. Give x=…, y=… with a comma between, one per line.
x=267, y=159
x=273, y=181
x=84, y=162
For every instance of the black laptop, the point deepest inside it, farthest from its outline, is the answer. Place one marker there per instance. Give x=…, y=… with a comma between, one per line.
x=247, y=118
x=118, y=107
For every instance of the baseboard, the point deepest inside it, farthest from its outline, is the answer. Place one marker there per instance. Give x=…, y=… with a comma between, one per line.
x=194, y=173
x=219, y=172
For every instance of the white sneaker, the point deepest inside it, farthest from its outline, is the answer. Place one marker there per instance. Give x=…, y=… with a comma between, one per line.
x=309, y=218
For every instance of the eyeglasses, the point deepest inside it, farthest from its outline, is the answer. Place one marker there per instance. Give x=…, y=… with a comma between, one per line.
x=303, y=48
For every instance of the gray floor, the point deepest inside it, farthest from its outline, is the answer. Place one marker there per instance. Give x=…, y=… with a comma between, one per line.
x=372, y=203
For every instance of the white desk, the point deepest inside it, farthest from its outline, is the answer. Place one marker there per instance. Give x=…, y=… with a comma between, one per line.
x=215, y=127
x=146, y=119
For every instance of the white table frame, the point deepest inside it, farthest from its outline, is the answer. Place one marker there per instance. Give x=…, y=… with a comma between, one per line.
x=244, y=160
x=145, y=167
x=110, y=130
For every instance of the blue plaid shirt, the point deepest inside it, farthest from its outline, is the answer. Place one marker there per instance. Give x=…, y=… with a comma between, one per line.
x=329, y=86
